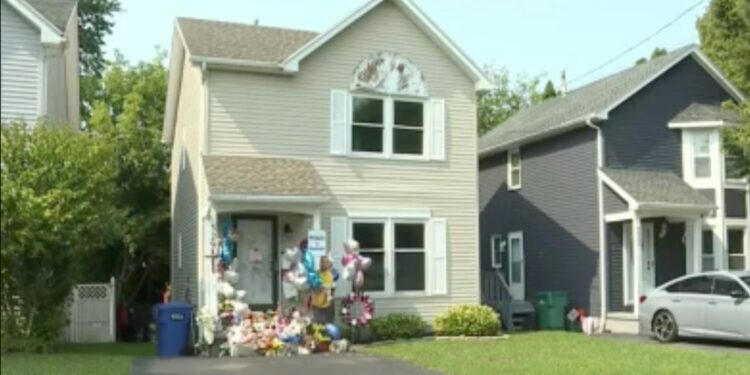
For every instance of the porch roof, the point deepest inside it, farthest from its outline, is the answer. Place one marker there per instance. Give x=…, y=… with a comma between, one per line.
x=653, y=189
x=242, y=176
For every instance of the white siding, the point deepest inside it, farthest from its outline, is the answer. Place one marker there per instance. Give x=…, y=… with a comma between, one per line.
x=21, y=57
x=265, y=115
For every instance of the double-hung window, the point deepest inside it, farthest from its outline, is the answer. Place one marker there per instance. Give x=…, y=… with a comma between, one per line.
x=387, y=126
x=398, y=252
x=702, y=154
x=736, y=248
x=514, y=170
x=496, y=246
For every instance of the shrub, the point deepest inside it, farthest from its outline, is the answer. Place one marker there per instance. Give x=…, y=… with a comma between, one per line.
x=397, y=326
x=468, y=320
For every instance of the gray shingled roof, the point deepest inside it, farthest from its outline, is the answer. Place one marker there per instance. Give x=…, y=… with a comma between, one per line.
x=58, y=12
x=577, y=105
x=706, y=112
x=262, y=176
x=240, y=41
x=656, y=187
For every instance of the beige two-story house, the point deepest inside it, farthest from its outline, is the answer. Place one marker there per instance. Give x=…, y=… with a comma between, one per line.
x=366, y=131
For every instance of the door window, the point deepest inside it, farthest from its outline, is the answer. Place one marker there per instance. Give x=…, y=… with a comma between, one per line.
x=724, y=286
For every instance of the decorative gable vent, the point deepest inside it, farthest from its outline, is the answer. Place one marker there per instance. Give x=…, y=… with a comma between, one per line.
x=389, y=73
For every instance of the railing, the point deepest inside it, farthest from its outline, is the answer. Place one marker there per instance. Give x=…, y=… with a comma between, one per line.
x=496, y=293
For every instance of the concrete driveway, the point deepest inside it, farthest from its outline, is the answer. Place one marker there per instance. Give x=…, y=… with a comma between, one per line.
x=347, y=364
x=714, y=346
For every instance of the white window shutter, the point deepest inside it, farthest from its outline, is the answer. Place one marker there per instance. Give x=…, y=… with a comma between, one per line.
x=439, y=256
x=339, y=226
x=437, y=128
x=339, y=122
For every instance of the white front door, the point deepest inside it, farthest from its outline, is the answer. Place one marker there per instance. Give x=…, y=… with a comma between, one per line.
x=516, y=271
x=648, y=270
x=255, y=260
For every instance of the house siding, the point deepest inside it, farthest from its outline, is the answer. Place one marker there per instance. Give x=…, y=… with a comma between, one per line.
x=613, y=203
x=557, y=210
x=735, y=203
x=22, y=68
x=280, y=116
x=636, y=133
x=186, y=187
x=614, y=247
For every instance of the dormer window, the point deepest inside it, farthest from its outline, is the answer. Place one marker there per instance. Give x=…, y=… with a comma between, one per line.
x=702, y=154
x=514, y=170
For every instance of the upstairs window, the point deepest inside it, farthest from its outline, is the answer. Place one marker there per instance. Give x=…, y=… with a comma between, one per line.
x=702, y=154
x=514, y=170
x=732, y=168
x=387, y=126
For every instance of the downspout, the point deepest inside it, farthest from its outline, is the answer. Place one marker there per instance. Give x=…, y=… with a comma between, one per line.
x=602, y=230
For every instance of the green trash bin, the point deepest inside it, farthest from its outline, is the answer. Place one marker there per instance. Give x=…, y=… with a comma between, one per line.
x=550, y=309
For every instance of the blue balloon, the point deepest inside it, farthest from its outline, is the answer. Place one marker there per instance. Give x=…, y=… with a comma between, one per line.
x=313, y=279
x=225, y=254
x=332, y=331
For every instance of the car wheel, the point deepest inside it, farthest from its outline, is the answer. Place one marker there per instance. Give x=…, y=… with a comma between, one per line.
x=665, y=326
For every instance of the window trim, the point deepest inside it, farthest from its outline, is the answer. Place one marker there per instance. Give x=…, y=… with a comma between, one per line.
x=388, y=127
x=744, y=253
x=389, y=258
x=695, y=155
x=516, y=235
x=713, y=249
x=511, y=169
x=496, y=263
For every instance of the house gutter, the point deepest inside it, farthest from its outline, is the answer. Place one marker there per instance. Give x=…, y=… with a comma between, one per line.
x=601, y=222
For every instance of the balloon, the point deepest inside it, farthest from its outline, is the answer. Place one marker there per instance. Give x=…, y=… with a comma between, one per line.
x=231, y=277
x=364, y=262
x=313, y=278
x=240, y=294
x=225, y=289
x=348, y=272
x=331, y=330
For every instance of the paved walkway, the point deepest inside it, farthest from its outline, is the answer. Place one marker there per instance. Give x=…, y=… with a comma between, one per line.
x=696, y=344
x=314, y=364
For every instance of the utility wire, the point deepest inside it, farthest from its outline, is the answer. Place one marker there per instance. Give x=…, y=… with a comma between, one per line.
x=640, y=43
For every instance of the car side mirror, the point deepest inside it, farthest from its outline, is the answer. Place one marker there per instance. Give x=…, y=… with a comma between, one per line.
x=738, y=294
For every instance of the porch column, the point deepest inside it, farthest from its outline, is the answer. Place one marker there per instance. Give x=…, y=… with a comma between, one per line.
x=697, y=234
x=637, y=263
x=316, y=219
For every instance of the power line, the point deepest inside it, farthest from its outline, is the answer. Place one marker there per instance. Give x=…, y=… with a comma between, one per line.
x=640, y=43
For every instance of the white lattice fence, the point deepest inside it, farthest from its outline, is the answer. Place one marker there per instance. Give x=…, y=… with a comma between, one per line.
x=92, y=313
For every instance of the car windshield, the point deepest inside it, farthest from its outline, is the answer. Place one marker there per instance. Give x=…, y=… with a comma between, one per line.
x=746, y=280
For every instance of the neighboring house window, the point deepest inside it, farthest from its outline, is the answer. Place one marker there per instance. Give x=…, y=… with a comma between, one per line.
x=496, y=245
x=398, y=251
x=736, y=249
x=702, y=154
x=732, y=167
x=708, y=263
x=387, y=126
x=514, y=170
x=515, y=244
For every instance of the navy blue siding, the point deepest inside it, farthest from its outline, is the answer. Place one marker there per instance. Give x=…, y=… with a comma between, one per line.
x=556, y=209
x=614, y=247
x=736, y=203
x=613, y=202
x=636, y=133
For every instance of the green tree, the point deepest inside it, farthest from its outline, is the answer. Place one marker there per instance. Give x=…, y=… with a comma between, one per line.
x=725, y=38
x=129, y=114
x=55, y=204
x=549, y=91
x=94, y=24
x=507, y=98
x=656, y=53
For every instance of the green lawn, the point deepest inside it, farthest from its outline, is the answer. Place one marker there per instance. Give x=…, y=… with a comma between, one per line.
x=90, y=359
x=561, y=353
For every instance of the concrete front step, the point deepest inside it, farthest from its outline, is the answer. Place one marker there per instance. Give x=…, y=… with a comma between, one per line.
x=622, y=323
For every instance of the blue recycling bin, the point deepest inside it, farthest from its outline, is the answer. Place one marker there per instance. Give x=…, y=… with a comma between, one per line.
x=173, y=322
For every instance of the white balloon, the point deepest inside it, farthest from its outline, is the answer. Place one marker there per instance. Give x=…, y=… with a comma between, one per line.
x=225, y=289
x=240, y=294
x=231, y=277
x=364, y=262
x=240, y=308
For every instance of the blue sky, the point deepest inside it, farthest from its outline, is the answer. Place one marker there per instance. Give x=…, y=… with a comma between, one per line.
x=530, y=37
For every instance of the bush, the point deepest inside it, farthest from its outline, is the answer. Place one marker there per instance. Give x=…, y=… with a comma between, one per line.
x=397, y=326
x=468, y=320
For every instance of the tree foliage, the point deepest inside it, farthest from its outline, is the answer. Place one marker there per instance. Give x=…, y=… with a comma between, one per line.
x=507, y=98
x=56, y=207
x=129, y=115
x=94, y=24
x=725, y=38
x=656, y=53
x=549, y=91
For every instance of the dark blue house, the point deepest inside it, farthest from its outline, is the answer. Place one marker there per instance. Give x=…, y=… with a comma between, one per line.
x=612, y=189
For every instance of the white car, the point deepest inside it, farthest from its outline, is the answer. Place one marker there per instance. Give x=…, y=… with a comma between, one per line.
x=712, y=305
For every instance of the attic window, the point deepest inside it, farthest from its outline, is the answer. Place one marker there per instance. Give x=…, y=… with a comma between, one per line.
x=390, y=74
x=514, y=170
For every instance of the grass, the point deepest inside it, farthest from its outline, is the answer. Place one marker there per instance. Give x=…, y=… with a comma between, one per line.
x=561, y=353
x=90, y=359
